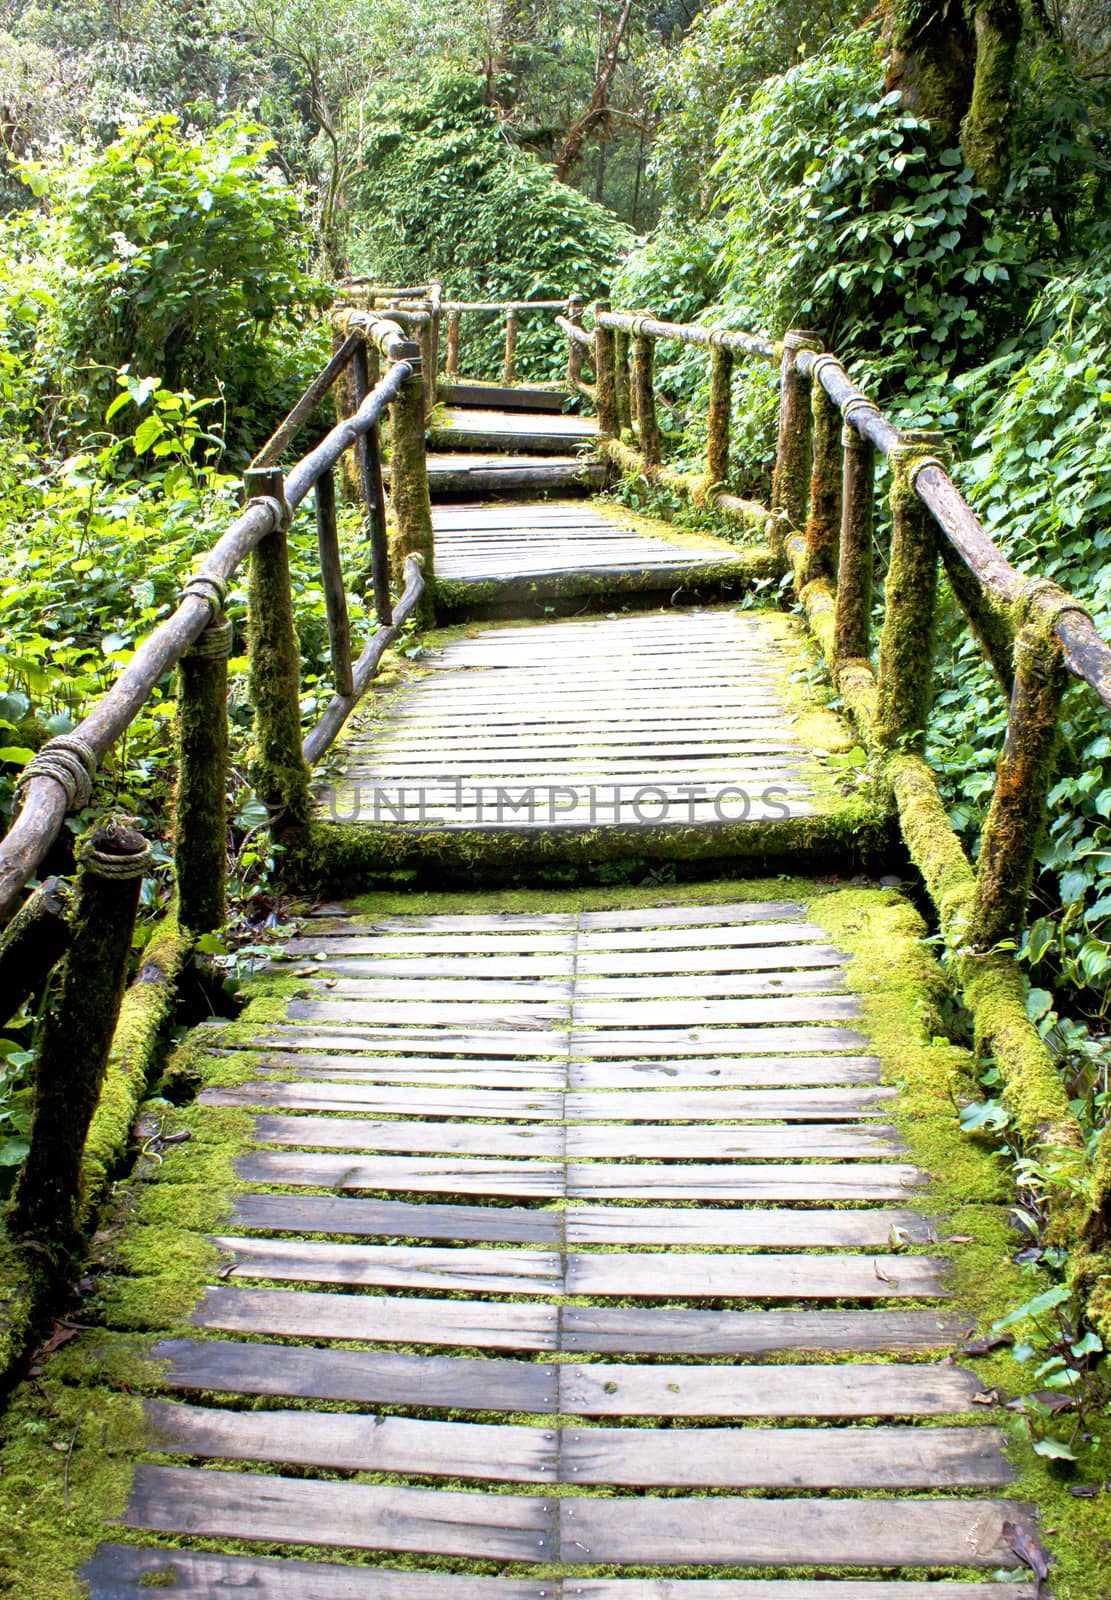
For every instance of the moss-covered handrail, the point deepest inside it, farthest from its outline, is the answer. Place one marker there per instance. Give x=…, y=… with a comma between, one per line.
x=60, y=776
x=1033, y=634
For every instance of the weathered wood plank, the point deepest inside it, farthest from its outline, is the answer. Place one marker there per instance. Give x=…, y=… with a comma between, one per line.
x=642, y=1013
x=705, y=1105
x=219, y=1366
x=124, y=1572
x=693, y=916
x=629, y=1330
x=786, y=958
x=325, y=1213
x=745, y=1227
x=909, y=1390
x=431, y=1138
x=768, y=1180
x=405, y=1174
x=355, y=1444
x=753, y=1072
x=354, y=1516
x=396, y=1266
x=787, y=1458
x=409, y=1100
x=698, y=1041
x=736, y=1141
x=777, y=1589
x=782, y=1533
x=383, y=1319
x=756, y=1277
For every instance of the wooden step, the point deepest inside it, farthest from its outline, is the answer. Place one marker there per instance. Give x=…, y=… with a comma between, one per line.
x=468, y=428
x=503, y=397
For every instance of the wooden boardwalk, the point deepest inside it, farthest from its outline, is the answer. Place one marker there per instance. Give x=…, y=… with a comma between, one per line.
x=571, y=1249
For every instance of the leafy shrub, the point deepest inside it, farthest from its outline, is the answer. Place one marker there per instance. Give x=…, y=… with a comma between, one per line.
x=442, y=193
x=176, y=255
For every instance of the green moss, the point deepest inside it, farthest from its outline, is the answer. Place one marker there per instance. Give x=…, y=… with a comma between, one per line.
x=409, y=503
x=537, y=596
x=906, y=652
x=987, y=130
x=277, y=766
x=823, y=524
x=146, y=1010
x=200, y=807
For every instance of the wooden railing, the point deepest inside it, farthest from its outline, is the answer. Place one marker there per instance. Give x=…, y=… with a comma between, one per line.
x=196, y=639
x=1033, y=633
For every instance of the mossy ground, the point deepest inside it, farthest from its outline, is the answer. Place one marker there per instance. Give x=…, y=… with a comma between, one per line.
x=152, y=1257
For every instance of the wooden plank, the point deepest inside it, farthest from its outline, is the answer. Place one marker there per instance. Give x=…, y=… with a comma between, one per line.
x=429, y=1072
x=431, y=943
x=739, y=1228
x=643, y=1013
x=757, y=934
x=392, y=1219
x=906, y=1390
x=705, y=985
x=616, y=1043
x=375, y=982
x=753, y=1277
x=777, y=1589
x=730, y=1105
x=657, y=1331
x=732, y=1141
x=343, y=1443
x=354, y=1516
x=754, y=1072
x=767, y=1180
x=727, y=915
x=408, y=1100
x=379, y=1319
x=504, y=1014
x=405, y=1174
x=125, y=1572
x=396, y=1266
x=449, y=1043
x=785, y=958
x=787, y=1458
x=792, y=1532
x=364, y=1377
x=430, y=1138
x=521, y=397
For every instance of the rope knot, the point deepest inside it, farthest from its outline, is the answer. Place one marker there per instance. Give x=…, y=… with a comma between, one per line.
x=71, y=761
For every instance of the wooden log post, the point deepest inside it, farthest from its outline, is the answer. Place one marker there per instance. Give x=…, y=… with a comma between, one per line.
x=277, y=767
x=622, y=382
x=648, y=428
x=335, y=591
x=791, y=478
x=34, y=941
x=1016, y=818
x=453, y=318
x=574, y=348
x=200, y=807
x=77, y=1035
x=435, y=305
x=368, y=454
x=605, y=375
x=853, y=613
x=509, y=366
x=823, y=522
x=906, y=653
x=718, y=414
x=409, y=499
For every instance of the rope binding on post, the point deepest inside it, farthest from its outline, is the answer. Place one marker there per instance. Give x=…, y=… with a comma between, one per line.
x=71, y=761
x=1043, y=602
x=117, y=851
x=214, y=643
x=213, y=591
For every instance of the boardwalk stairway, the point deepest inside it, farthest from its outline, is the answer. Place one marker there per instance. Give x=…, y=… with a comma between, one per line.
x=610, y=1236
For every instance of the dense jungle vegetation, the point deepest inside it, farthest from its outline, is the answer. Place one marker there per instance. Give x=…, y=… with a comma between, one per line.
x=929, y=185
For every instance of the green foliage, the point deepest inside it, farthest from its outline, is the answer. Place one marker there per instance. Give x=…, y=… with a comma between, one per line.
x=442, y=192
x=174, y=255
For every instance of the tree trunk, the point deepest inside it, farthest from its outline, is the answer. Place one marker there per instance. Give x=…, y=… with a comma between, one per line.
x=931, y=58
x=595, y=113
x=986, y=134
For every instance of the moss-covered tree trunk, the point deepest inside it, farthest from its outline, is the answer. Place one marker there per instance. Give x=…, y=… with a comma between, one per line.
x=986, y=134
x=931, y=58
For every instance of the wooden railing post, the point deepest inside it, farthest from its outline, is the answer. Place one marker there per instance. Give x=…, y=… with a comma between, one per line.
x=648, y=428
x=432, y=375
x=718, y=413
x=853, y=615
x=791, y=479
x=278, y=769
x=906, y=654
x=622, y=381
x=510, y=365
x=335, y=590
x=33, y=942
x=200, y=808
x=368, y=454
x=77, y=1034
x=1024, y=772
x=453, y=345
x=409, y=499
x=605, y=376
x=823, y=522
x=574, y=348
